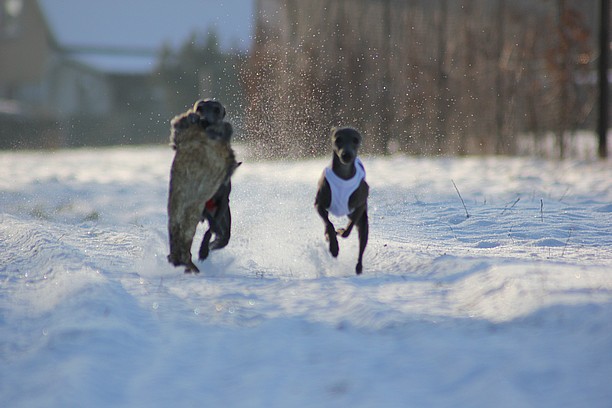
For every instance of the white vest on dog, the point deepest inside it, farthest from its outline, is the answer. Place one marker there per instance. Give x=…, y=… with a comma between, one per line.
x=341, y=189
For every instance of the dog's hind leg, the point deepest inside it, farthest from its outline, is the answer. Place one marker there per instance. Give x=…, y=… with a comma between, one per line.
x=204, y=246
x=363, y=231
x=223, y=230
x=354, y=218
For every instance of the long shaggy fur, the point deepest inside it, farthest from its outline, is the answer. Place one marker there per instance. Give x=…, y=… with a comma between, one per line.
x=203, y=161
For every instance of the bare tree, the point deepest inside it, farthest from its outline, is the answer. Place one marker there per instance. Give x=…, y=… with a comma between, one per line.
x=424, y=77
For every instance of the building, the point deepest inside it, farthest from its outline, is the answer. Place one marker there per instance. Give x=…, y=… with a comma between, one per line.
x=41, y=86
x=52, y=96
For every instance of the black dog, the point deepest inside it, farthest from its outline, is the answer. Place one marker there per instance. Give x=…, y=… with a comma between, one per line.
x=217, y=213
x=211, y=115
x=344, y=191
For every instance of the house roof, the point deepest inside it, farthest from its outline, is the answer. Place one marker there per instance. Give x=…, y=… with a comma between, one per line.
x=126, y=36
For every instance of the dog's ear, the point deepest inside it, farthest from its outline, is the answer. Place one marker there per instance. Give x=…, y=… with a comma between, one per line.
x=333, y=132
x=197, y=104
x=359, y=136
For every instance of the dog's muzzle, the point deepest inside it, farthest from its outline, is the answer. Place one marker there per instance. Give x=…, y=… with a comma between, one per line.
x=347, y=156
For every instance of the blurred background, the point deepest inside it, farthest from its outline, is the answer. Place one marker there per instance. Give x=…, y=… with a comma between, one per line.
x=423, y=77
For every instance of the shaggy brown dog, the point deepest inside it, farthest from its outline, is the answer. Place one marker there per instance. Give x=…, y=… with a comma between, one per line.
x=203, y=162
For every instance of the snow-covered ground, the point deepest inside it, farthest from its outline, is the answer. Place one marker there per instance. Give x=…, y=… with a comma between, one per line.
x=511, y=307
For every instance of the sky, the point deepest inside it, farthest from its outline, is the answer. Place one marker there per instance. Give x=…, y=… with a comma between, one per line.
x=145, y=24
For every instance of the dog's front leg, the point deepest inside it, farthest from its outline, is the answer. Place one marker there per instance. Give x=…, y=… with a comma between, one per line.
x=223, y=228
x=179, y=124
x=322, y=203
x=205, y=245
x=330, y=231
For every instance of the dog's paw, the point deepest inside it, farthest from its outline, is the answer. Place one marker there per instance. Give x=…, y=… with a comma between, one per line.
x=343, y=232
x=359, y=268
x=219, y=243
